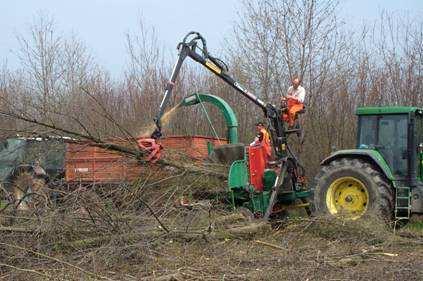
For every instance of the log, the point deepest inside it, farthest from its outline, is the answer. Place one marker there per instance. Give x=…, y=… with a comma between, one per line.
x=269, y=245
x=250, y=230
x=16, y=229
x=232, y=218
x=97, y=241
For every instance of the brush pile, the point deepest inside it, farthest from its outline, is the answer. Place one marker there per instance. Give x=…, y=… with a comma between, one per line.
x=173, y=224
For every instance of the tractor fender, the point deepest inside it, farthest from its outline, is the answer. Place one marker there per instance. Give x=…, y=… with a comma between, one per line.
x=369, y=155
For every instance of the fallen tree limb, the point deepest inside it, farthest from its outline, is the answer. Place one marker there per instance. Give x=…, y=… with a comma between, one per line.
x=269, y=245
x=96, y=241
x=232, y=218
x=250, y=230
x=137, y=152
x=56, y=260
x=16, y=229
x=25, y=270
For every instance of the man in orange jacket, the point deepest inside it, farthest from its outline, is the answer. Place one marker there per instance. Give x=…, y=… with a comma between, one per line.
x=294, y=101
x=263, y=139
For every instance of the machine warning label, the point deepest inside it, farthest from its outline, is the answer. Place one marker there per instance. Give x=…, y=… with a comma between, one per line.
x=213, y=67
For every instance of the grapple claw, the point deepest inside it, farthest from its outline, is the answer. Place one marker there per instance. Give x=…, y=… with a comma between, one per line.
x=157, y=134
x=151, y=148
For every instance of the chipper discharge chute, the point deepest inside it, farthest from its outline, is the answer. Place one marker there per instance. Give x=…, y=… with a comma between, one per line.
x=224, y=153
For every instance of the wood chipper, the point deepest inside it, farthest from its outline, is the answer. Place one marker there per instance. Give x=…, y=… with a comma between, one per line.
x=254, y=184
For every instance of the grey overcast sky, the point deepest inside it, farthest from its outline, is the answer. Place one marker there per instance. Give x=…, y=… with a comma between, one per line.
x=102, y=24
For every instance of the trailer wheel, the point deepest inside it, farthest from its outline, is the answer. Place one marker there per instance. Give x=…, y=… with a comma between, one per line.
x=351, y=189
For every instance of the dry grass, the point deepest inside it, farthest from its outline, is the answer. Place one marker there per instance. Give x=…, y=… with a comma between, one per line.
x=111, y=234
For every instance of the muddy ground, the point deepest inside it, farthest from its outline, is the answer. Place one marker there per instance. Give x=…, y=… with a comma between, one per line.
x=143, y=231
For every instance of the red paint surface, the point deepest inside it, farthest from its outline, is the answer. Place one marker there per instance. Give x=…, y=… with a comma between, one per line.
x=257, y=164
x=193, y=146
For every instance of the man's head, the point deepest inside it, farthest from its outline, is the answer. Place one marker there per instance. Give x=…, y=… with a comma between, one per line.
x=296, y=81
x=259, y=126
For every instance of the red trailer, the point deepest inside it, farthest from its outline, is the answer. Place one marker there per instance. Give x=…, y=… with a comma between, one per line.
x=88, y=163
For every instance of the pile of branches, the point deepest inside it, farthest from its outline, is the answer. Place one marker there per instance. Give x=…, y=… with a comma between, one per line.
x=172, y=224
x=94, y=231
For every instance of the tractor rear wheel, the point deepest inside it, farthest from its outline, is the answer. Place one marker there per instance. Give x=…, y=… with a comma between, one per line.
x=351, y=189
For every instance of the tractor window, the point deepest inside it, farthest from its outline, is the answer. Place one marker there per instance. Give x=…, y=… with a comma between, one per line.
x=419, y=129
x=419, y=140
x=388, y=135
x=392, y=142
x=367, y=132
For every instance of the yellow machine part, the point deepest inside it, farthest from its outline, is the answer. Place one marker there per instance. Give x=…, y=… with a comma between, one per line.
x=347, y=197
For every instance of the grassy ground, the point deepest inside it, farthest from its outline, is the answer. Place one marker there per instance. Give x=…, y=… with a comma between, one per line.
x=415, y=226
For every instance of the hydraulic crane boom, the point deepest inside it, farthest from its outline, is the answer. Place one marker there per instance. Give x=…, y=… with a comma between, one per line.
x=189, y=47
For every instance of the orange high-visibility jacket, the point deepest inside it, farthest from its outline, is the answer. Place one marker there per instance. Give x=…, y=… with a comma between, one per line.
x=265, y=142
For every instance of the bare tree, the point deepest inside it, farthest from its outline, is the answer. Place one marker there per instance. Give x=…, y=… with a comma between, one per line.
x=40, y=57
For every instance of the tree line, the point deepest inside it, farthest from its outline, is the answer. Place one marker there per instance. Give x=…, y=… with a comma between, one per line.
x=60, y=83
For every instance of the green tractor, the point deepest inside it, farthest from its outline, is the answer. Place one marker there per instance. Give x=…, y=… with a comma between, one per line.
x=383, y=176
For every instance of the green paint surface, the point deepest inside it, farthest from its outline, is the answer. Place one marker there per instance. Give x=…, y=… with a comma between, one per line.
x=223, y=106
x=387, y=110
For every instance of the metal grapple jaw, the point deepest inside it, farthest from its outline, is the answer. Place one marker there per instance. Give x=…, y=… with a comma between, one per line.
x=157, y=134
x=151, y=148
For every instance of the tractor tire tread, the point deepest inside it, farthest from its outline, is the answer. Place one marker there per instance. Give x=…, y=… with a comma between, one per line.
x=385, y=192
